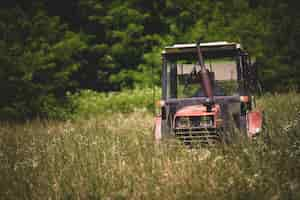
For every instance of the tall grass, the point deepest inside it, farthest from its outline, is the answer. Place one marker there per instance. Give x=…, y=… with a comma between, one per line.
x=113, y=156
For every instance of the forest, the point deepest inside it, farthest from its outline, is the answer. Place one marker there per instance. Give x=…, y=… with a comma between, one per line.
x=52, y=49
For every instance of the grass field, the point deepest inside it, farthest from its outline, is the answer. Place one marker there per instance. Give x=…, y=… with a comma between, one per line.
x=113, y=156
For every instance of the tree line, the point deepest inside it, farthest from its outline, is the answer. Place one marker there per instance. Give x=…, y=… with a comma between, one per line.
x=50, y=48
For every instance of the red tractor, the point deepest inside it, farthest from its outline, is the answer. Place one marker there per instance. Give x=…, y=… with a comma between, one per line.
x=206, y=91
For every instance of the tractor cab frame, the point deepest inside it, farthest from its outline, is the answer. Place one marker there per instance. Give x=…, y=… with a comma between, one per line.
x=206, y=90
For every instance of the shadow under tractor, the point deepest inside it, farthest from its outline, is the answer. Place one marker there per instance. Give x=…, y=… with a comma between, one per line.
x=207, y=92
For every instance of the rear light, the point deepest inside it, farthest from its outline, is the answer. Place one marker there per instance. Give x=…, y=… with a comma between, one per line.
x=160, y=103
x=244, y=99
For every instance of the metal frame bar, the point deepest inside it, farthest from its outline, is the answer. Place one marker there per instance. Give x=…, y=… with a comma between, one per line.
x=200, y=100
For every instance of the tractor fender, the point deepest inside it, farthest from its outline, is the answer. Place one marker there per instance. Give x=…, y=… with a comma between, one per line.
x=254, y=123
x=157, y=129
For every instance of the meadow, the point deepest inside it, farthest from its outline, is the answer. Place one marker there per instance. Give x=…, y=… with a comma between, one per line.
x=112, y=155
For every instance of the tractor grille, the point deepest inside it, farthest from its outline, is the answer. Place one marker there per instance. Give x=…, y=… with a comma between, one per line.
x=198, y=136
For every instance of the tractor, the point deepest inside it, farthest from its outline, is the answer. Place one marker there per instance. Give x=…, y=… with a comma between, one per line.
x=207, y=92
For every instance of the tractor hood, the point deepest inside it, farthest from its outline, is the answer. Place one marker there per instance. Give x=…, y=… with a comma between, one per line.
x=196, y=110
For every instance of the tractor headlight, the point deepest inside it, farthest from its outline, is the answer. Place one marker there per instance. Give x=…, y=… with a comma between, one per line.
x=182, y=122
x=207, y=121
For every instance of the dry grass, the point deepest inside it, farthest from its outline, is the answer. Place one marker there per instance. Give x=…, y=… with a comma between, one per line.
x=114, y=157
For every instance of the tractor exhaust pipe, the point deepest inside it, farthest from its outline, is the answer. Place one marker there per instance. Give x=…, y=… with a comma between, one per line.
x=204, y=76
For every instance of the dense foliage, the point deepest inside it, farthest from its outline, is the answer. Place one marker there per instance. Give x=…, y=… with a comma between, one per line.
x=88, y=103
x=50, y=47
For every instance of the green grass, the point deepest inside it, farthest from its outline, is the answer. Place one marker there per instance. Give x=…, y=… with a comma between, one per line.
x=113, y=156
